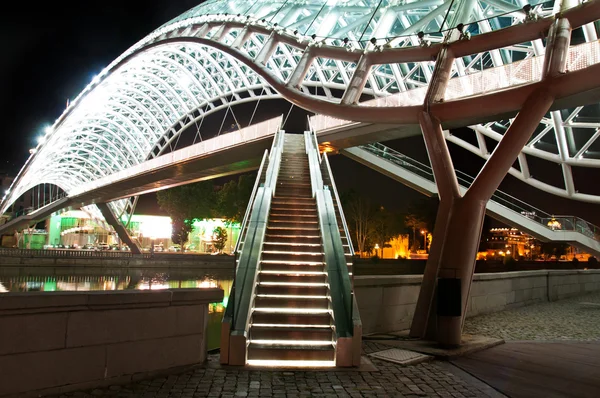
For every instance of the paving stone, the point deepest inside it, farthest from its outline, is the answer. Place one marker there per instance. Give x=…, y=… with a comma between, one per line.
x=568, y=319
x=389, y=380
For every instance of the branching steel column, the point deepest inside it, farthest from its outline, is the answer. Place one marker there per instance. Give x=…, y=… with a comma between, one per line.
x=445, y=178
x=110, y=218
x=462, y=219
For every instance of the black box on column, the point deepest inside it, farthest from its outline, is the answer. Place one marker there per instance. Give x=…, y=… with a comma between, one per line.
x=449, y=297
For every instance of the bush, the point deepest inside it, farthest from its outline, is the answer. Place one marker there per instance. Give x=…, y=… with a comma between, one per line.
x=575, y=262
x=510, y=263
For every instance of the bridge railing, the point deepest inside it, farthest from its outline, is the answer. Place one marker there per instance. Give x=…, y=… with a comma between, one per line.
x=66, y=253
x=525, y=71
x=31, y=209
x=247, y=134
x=74, y=253
x=550, y=221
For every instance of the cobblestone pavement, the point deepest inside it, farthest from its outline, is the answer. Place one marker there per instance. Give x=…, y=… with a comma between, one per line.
x=576, y=319
x=389, y=380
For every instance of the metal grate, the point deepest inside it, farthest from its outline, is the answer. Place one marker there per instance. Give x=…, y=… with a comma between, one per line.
x=402, y=357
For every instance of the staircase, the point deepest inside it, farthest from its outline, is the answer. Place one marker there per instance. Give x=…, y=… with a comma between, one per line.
x=291, y=321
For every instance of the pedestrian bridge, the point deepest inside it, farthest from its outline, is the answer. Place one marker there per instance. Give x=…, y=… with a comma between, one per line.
x=523, y=78
x=502, y=206
x=372, y=64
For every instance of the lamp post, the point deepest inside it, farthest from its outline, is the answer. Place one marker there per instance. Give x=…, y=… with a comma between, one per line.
x=424, y=233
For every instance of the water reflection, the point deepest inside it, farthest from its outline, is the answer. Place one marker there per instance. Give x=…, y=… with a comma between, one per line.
x=73, y=279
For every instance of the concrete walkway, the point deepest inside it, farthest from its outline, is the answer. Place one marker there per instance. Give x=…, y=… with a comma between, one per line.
x=552, y=349
x=382, y=379
x=531, y=364
x=573, y=319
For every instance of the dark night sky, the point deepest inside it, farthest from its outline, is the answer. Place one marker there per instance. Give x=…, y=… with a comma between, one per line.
x=53, y=49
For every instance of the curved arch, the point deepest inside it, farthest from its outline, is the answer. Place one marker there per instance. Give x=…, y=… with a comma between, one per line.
x=292, y=63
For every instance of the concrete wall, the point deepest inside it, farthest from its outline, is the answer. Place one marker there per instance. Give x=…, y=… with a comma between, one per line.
x=51, y=342
x=387, y=303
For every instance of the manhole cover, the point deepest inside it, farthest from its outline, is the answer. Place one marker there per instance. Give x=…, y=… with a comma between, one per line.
x=402, y=357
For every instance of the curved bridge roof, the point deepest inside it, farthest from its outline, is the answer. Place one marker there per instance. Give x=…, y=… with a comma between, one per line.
x=331, y=57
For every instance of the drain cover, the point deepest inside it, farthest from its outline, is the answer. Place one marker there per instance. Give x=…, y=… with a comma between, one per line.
x=402, y=357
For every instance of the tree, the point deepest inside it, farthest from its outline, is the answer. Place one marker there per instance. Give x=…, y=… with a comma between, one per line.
x=557, y=249
x=414, y=222
x=369, y=224
x=385, y=227
x=186, y=203
x=360, y=212
x=233, y=197
x=181, y=231
x=420, y=215
x=219, y=238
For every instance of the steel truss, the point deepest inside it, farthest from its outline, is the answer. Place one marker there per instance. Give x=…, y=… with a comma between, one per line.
x=332, y=57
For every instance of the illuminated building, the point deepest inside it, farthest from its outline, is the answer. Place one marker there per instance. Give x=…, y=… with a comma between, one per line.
x=77, y=228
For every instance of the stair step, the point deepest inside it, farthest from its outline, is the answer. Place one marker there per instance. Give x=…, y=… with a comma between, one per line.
x=282, y=203
x=291, y=318
x=291, y=222
x=292, y=267
x=314, y=261
x=297, y=246
x=291, y=248
x=291, y=352
x=291, y=301
x=298, y=200
x=294, y=259
x=297, y=238
x=290, y=216
x=295, y=195
x=292, y=278
x=294, y=184
x=295, y=231
x=290, y=333
x=312, y=210
x=293, y=289
x=295, y=177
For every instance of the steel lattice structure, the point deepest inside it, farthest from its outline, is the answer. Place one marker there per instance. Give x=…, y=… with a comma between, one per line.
x=372, y=59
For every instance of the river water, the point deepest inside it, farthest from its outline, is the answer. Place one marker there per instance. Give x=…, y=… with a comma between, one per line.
x=15, y=279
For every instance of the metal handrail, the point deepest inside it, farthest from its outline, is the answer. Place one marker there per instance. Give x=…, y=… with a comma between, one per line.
x=241, y=295
x=340, y=284
x=315, y=142
x=316, y=179
x=339, y=204
x=251, y=200
x=550, y=221
x=275, y=161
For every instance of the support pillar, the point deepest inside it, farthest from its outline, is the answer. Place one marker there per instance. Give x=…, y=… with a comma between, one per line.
x=453, y=257
x=114, y=222
x=449, y=271
x=445, y=178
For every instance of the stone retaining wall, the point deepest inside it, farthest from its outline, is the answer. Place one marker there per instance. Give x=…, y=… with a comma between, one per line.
x=51, y=342
x=387, y=303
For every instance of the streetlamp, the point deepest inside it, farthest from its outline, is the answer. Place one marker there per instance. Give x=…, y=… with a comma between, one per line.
x=424, y=233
